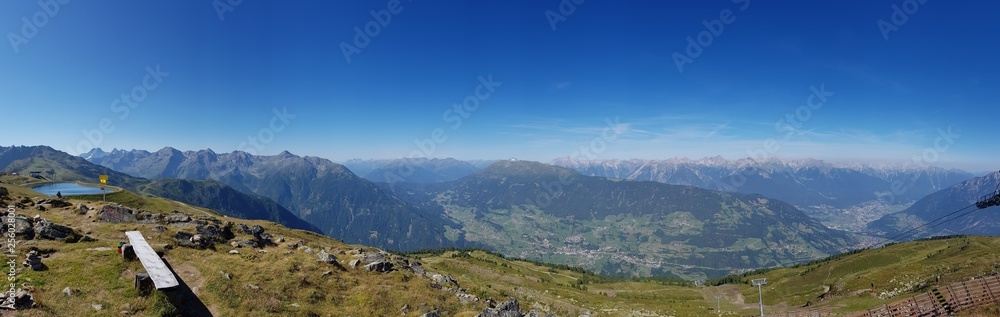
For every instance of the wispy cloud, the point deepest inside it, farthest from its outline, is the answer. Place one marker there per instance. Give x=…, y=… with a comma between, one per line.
x=563, y=85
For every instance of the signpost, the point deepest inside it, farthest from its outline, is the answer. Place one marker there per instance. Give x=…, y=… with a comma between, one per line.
x=104, y=181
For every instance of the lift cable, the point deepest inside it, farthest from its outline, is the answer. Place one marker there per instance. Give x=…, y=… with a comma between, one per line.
x=984, y=202
x=914, y=230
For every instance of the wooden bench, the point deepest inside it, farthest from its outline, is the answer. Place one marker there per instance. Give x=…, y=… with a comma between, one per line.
x=158, y=271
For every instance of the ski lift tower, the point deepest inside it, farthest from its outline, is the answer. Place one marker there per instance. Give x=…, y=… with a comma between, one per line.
x=758, y=282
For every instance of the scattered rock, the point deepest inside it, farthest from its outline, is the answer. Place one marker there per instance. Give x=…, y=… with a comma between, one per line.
x=246, y=243
x=81, y=209
x=186, y=239
x=159, y=229
x=327, y=273
x=4, y=194
x=234, y=252
x=371, y=257
x=244, y=228
x=98, y=307
x=54, y=203
x=432, y=313
x=24, y=227
x=306, y=249
x=68, y=291
x=326, y=257
x=508, y=308
x=256, y=231
x=225, y=275
x=212, y=233
x=22, y=299
x=178, y=219
x=380, y=266
x=292, y=245
x=46, y=229
x=40, y=207
x=444, y=280
x=280, y=240
x=116, y=213
x=355, y=263
x=251, y=286
x=415, y=267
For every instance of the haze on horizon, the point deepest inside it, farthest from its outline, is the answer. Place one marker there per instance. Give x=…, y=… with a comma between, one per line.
x=537, y=80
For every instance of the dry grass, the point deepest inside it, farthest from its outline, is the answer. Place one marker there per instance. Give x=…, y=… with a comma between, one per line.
x=278, y=281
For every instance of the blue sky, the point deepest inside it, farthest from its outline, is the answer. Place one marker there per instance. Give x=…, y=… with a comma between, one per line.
x=223, y=77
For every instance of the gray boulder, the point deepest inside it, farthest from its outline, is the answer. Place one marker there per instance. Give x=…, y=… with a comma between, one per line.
x=380, y=266
x=326, y=257
x=508, y=308
x=444, y=280
x=24, y=227
x=433, y=313
x=116, y=213
x=54, y=203
x=22, y=299
x=34, y=261
x=246, y=243
x=46, y=229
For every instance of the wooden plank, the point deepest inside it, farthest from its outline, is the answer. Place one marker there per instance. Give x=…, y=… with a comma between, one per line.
x=162, y=276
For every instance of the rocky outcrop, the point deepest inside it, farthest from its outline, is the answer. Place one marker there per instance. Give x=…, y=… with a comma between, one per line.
x=115, y=213
x=380, y=266
x=509, y=308
x=22, y=300
x=444, y=280
x=326, y=257
x=53, y=203
x=34, y=261
x=46, y=229
x=24, y=227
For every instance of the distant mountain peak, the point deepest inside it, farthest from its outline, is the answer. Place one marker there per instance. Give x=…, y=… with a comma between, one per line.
x=524, y=168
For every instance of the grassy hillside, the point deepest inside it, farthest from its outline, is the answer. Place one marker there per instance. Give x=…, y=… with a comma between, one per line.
x=256, y=282
x=278, y=280
x=845, y=283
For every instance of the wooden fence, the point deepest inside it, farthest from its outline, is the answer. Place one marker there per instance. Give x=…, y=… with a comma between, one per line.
x=941, y=301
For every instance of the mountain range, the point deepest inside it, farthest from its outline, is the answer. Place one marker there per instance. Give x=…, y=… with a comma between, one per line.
x=555, y=214
x=319, y=191
x=938, y=213
x=676, y=217
x=59, y=166
x=845, y=196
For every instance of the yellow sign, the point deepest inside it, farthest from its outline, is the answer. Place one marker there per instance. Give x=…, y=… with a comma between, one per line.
x=104, y=179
